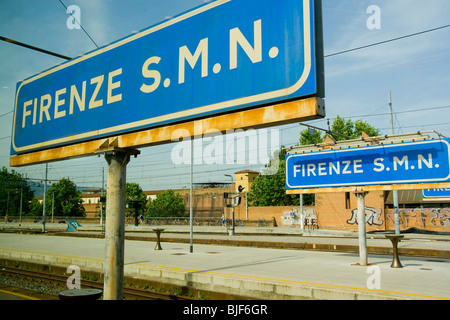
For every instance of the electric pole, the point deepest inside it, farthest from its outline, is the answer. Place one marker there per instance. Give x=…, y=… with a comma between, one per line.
x=45, y=198
x=394, y=192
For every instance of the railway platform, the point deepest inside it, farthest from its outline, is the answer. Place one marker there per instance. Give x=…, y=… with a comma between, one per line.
x=275, y=263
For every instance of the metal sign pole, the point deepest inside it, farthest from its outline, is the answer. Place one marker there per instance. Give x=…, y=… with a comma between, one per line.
x=44, y=208
x=191, y=211
x=117, y=160
x=394, y=192
x=115, y=225
x=362, y=228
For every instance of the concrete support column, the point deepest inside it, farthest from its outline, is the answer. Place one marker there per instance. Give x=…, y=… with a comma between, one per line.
x=396, y=212
x=115, y=225
x=362, y=228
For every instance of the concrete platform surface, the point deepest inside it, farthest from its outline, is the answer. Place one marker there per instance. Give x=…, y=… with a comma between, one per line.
x=262, y=273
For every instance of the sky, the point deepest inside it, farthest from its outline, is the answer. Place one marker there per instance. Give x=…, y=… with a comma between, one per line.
x=416, y=70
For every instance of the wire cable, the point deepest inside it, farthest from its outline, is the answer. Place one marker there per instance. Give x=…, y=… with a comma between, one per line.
x=67, y=10
x=2, y=115
x=34, y=48
x=387, y=41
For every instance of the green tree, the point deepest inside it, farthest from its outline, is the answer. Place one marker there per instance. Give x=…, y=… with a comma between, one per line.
x=167, y=204
x=64, y=199
x=134, y=192
x=342, y=126
x=361, y=126
x=12, y=185
x=270, y=189
x=35, y=208
x=307, y=138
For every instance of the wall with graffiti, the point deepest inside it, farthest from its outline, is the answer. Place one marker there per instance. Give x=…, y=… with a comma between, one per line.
x=338, y=211
x=374, y=217
x=431, y=219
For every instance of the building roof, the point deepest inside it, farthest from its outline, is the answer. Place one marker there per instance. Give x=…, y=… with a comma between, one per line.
x=246, y=171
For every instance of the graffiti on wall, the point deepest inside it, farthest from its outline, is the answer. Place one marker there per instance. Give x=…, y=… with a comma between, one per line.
x=373, y=216
x=294, y=217
x=441, y=217
x=423, y=217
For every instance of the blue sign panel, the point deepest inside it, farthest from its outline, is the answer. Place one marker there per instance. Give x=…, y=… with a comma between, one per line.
x=436, y=193
x=412, y=162
x=224, y=56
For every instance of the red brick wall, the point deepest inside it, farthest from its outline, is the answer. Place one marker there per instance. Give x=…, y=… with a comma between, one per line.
x=338, y=211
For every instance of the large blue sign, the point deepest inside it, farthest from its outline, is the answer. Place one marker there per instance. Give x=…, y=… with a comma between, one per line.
x=412, y=162
x=224, y=56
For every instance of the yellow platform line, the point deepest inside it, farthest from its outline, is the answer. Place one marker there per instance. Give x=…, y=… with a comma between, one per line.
x=18, y=295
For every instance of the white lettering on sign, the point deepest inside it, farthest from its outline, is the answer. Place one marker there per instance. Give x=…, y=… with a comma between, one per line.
x=406, y=163
x=403, y=161
x=201, y=56
x=328, y=168
x=104, y=89
x=46, y=106
x=185, y=55
x=378, y=165
x=155, y=75
x=254, y=53
x=59, y=102
x=81, y=102
x=344, y=167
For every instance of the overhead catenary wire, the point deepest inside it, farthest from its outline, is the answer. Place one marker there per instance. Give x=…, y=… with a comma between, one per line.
x=67, y=10
x=386, y=41
x=35, y=48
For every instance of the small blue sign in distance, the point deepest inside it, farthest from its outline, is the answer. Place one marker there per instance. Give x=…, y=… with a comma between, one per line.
x=436, y=193
x=400, y=163
x=224, y=56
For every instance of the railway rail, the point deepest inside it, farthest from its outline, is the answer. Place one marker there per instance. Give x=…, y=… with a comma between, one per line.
x=55, y=279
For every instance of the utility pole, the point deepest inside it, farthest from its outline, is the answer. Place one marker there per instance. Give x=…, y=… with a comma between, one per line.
x=191, y=208
x=362, y=228
x=394, y=192
x=117, y=160
x=20, y=213
x=45, y=198
x=301, y=212
x=101, y=197
x=53, y=206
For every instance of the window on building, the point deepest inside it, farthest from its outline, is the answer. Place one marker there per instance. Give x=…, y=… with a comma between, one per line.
x=347, y=200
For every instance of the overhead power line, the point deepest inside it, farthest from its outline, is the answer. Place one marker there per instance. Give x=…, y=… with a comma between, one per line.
x=408, y=111
x=34, y=48
x=386, y=113
x=386, y=41
x=4, y=114
x=67, y=10
x=47, y=51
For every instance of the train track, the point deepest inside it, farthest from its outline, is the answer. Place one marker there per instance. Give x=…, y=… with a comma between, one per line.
x=55, y=279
